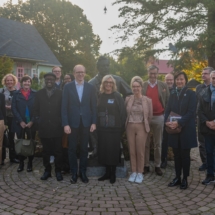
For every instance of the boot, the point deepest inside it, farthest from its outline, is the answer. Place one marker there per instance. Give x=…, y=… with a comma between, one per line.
x=113, y=174
x=106, y=175
x=21, y=166
x=29, y=167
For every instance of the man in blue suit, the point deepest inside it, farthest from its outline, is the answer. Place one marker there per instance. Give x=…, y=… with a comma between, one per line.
x=79, y=118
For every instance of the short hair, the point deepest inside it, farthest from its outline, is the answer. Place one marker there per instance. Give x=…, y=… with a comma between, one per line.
x=49, y=74
x=55, y=68
x=77, y=66
x=152, y=67
x=212, y=72
x=105, y=78
x=25, y=78
x=101, y=58
x=71, y=76
x=15, y=80
x=181, y=73
x=137, y=79
x=169, y=74
x=210, y=69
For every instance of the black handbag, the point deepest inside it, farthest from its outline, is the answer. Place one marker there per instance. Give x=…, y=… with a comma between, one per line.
x=6, y=142
x=25, y=147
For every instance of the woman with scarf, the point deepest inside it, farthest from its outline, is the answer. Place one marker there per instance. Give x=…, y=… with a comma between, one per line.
x=22, y=108
x=182, y=109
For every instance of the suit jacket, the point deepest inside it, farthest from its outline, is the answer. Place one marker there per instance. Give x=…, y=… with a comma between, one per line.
x=73, y=110
x=163, y=92
x=147, y=110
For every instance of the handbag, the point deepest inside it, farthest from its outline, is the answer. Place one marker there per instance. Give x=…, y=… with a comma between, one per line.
x=25, y=147
x=6, y=142
x=172, y=117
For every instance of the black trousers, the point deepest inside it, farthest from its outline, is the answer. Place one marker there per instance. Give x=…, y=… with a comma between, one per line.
x=182, y=161
x=52, y=146
x=30, y=135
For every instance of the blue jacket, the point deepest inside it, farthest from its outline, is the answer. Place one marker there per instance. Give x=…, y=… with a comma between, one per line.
x=18, y=107
x=73, y=110
x=185, y=106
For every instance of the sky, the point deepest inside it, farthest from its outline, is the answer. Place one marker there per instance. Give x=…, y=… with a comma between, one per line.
x=101, y=22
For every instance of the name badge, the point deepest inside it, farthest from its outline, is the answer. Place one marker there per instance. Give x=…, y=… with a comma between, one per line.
x=110, y=101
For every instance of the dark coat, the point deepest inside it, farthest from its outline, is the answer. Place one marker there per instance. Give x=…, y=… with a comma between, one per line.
x=47, y=112
x=205, y=111
x=73, y=110
x=2, y=108
x=185, y=106
x=18, y=108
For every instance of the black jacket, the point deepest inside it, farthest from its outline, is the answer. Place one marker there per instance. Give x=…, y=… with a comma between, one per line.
x=205, y=111
x=47, y=112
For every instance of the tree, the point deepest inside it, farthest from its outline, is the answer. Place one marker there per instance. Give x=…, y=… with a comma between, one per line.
x=64, y=28
x=190, y=22
x=6, y=66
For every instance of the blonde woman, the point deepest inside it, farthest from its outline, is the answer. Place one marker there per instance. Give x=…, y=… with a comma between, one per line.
x=9, y=82
x=111, y=123
x=139, y=114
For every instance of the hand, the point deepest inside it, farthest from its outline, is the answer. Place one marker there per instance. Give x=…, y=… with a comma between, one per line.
x=92, y=127
x=23, y=125
x=168, y=124
x=211, y=124
x=67, y=129
x=174, y=125
x=8, y=107
x=29, y=124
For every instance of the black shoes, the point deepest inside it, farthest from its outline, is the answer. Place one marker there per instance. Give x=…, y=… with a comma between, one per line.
x=158, y=171
x=106, y=176
x=74, y=178
x=14, y=160
x=184, y=184
x=83, y=177
x=164, y=164
x=176, y=181
x=21, y=166
x=29, y=167
x=45, y=176
x=146, y=169
x=113, y=174
x=203, y=167
x=59, y=176
x=208, y=180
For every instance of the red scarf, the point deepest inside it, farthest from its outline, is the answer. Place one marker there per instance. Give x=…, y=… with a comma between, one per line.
x=26, y=94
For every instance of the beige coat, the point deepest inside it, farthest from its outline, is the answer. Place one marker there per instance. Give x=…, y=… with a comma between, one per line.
x=147, y=110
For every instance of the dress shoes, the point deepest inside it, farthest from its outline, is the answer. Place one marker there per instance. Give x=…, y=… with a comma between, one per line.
x=203, y=167
x=106, y=176
x=29, y=167
x=21, y=166
x=176, y=181
x=146, y=169
x=83, y=177
x=74, y=178
x=59, y=176
x=184, y=184
x=45, y=176
x=164, y=164
x=158, y=171
x=208, y=180
x=14, y=160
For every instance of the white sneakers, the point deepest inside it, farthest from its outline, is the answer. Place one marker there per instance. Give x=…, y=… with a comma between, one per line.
x=136, y=177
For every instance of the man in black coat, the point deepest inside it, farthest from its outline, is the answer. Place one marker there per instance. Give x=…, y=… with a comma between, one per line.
x=47, y=111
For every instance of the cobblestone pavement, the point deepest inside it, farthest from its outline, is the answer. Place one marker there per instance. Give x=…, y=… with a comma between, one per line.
x=25, y=193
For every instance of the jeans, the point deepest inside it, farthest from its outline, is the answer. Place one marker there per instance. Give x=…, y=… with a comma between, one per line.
x=210, y=146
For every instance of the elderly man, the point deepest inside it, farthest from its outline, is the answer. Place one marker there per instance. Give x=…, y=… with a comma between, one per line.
x=206, y=113
x=169, y=80
x=159, y=93
x=57, y=71
x=199, y=91
x=79, y=119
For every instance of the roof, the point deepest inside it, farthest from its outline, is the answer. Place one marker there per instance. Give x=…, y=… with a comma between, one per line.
x=163, y=66
x=22, y=41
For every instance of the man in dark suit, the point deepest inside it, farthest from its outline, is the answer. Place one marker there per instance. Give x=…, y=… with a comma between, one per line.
x=79, y=118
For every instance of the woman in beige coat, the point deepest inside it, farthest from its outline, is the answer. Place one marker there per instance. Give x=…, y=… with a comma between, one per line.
x=139, y=114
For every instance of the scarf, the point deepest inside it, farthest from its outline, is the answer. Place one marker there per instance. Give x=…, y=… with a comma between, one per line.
x=212, y=88
x=26, y=94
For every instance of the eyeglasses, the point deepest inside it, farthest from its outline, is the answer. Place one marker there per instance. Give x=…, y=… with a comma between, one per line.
x=56, y=71
x=153, y=73
x=66, y=79
x=79, y=73
x=108, y=82
x=205, y=73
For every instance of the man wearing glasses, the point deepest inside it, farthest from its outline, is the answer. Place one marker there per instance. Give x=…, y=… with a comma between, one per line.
x=199, y=92
x=159, y=93
x=57, y=71
x=79, y=119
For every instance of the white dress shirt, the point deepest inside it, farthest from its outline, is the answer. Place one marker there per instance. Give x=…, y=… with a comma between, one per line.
x=152, y=85
x=80, y=89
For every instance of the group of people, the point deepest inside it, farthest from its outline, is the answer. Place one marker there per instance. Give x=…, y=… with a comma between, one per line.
x=99, y=111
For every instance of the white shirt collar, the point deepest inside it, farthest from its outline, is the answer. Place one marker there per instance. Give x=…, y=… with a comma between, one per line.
x=82, y=83
x=152, y=85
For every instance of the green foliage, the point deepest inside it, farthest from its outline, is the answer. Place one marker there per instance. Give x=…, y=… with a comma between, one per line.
x=64, y=28
x=6, y=66
x=168, y=20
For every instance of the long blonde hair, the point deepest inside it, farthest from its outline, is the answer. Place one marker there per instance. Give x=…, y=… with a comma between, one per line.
x=15, y=80
x=105, y=78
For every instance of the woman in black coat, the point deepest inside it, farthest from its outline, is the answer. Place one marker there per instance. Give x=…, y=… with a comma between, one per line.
x=182, y=101
x=22, y=109
x=111, y=123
